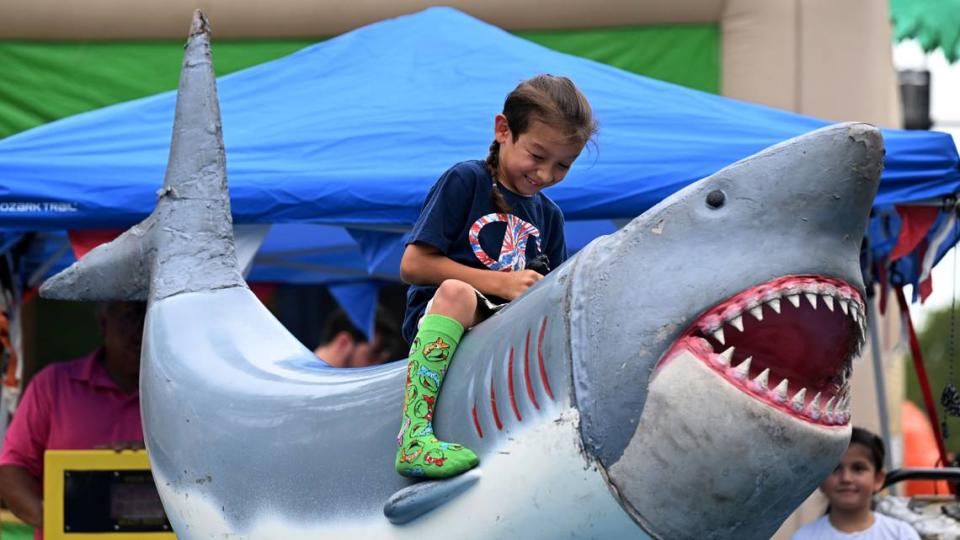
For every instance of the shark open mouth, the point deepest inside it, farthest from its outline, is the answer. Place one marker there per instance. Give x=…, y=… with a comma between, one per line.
x=788, y=342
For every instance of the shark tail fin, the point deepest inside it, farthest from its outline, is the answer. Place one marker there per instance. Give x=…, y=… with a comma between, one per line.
x=191, y=228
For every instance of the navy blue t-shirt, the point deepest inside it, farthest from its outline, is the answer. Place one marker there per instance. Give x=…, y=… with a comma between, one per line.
x=459, y=219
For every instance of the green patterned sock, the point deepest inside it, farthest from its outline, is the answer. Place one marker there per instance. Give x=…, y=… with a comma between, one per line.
x=420, y=453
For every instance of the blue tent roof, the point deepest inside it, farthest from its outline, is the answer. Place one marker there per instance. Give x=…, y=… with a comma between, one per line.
x=353, y=131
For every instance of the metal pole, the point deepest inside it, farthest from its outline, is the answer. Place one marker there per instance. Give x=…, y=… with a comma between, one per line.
x=947, y=202
x=880, y=386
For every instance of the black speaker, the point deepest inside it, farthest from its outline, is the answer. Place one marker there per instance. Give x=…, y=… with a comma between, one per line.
x=915, y=98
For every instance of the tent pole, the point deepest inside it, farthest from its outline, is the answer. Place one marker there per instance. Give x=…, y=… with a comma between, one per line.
x=8, y=245
x=947, y=202
x=923, y=378
x=38, y=275
x=880, y=387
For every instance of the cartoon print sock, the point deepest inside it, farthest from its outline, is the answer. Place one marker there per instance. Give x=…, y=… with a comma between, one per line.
x=420, y=454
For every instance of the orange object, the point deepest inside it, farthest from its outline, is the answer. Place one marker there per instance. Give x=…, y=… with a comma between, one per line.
x=10, y=376
x=919, y=450
x=82, y=241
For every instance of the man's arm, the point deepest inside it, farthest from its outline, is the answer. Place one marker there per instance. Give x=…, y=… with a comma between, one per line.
x=22, y=493
x=425, y=265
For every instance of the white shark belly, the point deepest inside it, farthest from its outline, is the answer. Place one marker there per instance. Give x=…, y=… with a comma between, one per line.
x=542, y=467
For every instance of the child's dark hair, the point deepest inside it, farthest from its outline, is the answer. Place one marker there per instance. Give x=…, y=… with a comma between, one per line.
x=337, y=322
x=387, y=331
x=550, y=99
x=873, y=443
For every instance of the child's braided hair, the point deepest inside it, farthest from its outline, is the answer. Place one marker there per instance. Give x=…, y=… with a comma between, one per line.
x=553, y=100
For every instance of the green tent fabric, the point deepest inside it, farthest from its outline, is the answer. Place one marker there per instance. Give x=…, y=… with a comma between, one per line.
x=688, y=55
x=45, y=81
x=933, y=23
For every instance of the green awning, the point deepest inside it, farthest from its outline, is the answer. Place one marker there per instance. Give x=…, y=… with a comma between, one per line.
x=44, y=81
x=933, y=23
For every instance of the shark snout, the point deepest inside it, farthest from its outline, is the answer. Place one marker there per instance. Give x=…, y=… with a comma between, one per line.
x=743, y=300
x=717, y=457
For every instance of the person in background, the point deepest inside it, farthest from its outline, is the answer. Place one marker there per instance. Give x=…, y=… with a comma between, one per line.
x=849, y=490
x=89, y=402
x=343, y=345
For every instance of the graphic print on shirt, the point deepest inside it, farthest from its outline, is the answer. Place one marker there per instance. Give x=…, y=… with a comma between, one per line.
x=514, y=247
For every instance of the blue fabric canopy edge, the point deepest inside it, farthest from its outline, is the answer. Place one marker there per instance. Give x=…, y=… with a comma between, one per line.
x=352, y=132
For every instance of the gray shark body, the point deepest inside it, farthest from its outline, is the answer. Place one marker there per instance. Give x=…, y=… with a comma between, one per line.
x=684, y=377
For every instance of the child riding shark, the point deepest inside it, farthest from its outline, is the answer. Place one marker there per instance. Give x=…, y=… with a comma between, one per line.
x=685, y=377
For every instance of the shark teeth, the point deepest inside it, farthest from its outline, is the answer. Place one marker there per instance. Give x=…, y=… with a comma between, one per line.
x=817, y=295
x=780, y=392
x=813, y=409
x=718, y=335
x=830, y=404
x=760, y=382
x=797, y=402
x=835, y=410
x=742, y=370
x=737, y=322
x=827, y=412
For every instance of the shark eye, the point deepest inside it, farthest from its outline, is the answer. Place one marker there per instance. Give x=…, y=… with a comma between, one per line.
x=715, y=199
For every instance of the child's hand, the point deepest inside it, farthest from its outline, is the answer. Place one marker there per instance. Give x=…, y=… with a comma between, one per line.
x=514, y=283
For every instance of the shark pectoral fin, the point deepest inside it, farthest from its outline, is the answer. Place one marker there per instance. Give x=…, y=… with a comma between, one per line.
x=117, y=270
x=413, y=501
x=248, y=239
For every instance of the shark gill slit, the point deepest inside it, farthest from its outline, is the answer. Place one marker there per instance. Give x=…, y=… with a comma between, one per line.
x=526, y=372
x=493, y=401
x=476, y=422
x=528, y=382
x=543, y=371
x=513, y=399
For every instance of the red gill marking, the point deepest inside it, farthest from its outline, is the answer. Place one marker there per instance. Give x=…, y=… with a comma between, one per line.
x=493, y=403
x=476, y=422
x=526, y=372
x=513, y=400
x=543, y=371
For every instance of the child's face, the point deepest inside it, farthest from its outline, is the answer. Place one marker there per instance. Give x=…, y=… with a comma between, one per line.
x=539, y=158
x=855, y=479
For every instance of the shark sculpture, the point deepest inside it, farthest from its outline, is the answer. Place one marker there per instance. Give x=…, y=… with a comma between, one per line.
x=685, y=377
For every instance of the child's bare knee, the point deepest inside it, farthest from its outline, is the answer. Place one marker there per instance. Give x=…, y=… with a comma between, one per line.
x=455, y=299
x=455, y=291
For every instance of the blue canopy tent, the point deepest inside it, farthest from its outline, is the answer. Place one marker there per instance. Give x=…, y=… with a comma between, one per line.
x=337, y=145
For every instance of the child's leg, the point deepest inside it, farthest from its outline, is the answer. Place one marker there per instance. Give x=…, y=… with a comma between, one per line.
x=420, y=453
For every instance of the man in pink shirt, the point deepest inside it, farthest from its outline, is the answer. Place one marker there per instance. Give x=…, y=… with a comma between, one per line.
x=90, y=402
